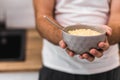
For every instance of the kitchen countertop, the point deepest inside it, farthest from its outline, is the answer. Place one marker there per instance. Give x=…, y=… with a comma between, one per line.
x=33, y=55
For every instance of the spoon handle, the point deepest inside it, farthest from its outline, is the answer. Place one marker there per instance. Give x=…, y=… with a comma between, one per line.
x=57, y=25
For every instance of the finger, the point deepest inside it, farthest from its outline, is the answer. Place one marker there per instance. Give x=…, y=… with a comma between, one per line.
x=108, y=30
x=88, y=57
x=70, y=53
x=81, y=57
x=96, y=53
x=104, y=45
x=62, y=44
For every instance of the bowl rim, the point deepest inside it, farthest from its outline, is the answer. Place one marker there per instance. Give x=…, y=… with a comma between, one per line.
x=102, y=33
x=84, y=36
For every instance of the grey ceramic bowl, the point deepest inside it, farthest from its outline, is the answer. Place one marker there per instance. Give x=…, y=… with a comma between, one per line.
x=81, y=44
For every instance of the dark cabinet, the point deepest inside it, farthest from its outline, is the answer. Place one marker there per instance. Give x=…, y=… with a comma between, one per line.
x=12, y=44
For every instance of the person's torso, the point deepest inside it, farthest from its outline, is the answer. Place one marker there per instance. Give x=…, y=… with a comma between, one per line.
x=82, y=11
x=69, y=12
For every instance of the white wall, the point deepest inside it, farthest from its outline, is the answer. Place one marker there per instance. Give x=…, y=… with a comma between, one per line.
x=1, y=10
x=19, y=13
x=19, y=76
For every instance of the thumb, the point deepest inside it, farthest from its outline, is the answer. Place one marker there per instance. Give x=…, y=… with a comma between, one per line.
x=62, y=44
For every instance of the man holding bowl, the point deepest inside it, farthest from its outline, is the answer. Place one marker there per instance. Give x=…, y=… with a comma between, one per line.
x=62, y=64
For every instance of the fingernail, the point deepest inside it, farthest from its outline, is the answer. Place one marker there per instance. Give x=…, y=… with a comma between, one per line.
x=93, y=51
x=102, y=46
x=81, y=57
x=71, y=54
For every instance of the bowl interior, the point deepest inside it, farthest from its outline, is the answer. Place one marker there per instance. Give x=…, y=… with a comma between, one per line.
x=95, y=28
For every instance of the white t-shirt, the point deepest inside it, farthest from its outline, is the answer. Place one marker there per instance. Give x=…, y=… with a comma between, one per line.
x=74, y=12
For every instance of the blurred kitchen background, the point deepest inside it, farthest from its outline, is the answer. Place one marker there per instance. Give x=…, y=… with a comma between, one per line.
x=20, y=44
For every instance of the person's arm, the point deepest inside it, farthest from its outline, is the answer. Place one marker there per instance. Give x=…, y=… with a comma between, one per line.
x=114, y=21
x=46, y=29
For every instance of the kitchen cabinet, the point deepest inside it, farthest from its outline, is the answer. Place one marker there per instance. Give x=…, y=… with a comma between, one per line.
x=32, y=60
x=28, y=69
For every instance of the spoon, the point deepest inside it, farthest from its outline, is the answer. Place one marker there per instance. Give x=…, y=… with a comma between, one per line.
x=57, y=25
